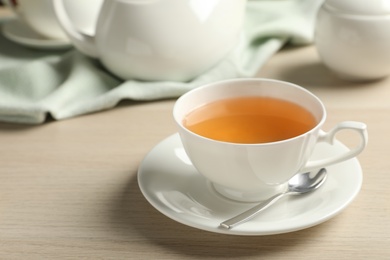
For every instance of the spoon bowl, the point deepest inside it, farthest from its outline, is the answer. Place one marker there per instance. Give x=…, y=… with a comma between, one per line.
x=303, y=182
x=300, y=183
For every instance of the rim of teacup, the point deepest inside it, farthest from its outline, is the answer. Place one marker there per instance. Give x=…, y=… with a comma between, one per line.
x=179, y=119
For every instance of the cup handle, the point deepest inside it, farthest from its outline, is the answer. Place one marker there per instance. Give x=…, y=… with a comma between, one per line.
x=329, y=137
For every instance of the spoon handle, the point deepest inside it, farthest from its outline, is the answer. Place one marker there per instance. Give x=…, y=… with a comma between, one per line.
x=250, y=213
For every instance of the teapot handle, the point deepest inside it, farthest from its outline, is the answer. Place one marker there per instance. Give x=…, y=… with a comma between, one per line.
x=83, y=42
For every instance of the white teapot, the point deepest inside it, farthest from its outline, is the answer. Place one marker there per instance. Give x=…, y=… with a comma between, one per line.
x=353, y=38
x=159, y=39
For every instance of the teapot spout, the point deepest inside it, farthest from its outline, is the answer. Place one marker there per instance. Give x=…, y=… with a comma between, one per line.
x=83, y=42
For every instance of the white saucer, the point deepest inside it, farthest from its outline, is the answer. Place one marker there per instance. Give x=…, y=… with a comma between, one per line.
x=20, y=33
x=171, y=184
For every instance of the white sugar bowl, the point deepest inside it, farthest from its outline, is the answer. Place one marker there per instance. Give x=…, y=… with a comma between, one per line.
x=353, y=38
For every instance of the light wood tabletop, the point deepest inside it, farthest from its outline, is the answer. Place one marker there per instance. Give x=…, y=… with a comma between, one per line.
x=69, y=190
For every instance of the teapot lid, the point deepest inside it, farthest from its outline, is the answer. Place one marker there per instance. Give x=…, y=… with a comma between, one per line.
x=359, y=7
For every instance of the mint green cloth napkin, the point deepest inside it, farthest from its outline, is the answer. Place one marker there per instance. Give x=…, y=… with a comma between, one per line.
x=34, y=83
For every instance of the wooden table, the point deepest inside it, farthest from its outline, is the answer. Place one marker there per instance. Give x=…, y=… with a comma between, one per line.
x=68, y=189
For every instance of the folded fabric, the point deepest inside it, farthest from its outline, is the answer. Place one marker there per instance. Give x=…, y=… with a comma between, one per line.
x=34, y=84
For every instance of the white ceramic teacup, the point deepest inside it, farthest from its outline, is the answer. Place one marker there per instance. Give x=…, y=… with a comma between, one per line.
x=252, y=172
x=39, y=16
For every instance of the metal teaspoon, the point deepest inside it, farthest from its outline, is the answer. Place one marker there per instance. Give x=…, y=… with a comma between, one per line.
x=300, y=183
